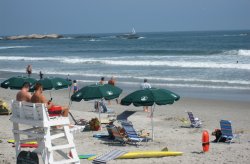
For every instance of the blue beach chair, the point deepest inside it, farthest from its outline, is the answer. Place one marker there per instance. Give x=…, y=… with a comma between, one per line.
x=132, y=135
x=227, y=132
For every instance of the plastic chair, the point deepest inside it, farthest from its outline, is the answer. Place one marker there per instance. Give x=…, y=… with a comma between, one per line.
x=227, y=132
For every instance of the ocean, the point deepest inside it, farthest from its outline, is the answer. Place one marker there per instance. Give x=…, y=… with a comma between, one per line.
x=190, y=63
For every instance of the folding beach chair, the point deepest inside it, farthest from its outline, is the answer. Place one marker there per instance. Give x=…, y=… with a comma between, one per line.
x=132, y=135
x=227, y=132
x=195, y=122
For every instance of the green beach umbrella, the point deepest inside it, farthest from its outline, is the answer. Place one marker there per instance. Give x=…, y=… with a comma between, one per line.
x=56, y=83
x=97, y=91
x=17, y=82
x=150, y=97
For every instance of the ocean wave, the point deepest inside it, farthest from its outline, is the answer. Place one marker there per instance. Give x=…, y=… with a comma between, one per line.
x=243, y=34
x=13, y=47
x=240, y=52
x=132, y=62
x=66, y=38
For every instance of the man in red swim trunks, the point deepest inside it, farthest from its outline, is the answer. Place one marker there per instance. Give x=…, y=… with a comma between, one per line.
x=38, y=97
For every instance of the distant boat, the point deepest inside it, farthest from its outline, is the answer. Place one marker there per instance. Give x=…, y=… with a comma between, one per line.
x=131, y=35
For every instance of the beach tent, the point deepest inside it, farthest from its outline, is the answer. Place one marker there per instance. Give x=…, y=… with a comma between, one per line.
x=97, y=91
x=150, y=97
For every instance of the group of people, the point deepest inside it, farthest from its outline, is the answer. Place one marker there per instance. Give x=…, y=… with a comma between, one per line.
x=38, y=97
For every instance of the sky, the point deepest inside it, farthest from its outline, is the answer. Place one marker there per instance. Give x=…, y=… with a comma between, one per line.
x=22, y=17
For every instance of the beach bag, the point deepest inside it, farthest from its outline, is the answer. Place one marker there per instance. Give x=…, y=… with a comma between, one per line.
x=27, y=157
x=4, y=108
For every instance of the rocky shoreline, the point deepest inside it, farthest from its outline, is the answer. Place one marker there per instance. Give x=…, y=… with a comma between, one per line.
x=33, y=36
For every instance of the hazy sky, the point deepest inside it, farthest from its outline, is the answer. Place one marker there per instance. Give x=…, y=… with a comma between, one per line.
x=107, y=16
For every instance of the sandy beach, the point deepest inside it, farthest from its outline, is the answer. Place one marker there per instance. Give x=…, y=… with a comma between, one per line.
x=169, y=130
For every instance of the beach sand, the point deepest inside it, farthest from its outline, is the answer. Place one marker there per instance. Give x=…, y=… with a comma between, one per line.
x=168, y=130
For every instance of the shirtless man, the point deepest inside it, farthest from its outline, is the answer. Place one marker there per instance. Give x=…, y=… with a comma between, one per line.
x=23, y=94
x=38, y=97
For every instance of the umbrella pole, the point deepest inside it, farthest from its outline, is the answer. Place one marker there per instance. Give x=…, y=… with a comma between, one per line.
x=70, y=102
x=152, y=121
x=50, y=94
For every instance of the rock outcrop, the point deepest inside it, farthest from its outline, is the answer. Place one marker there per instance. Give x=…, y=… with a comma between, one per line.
x=34, y=36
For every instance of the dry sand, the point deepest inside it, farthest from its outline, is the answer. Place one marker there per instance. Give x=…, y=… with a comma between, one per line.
x=168, y=130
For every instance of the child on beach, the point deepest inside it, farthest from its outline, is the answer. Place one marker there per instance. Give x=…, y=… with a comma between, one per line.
x=75, y=87
x=145, y=85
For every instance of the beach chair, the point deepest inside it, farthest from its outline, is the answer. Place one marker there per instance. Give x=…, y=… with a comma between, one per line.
x=195, y=122
x=100, y=105
x=132, y=135
x=227, y=132
x=32, y=122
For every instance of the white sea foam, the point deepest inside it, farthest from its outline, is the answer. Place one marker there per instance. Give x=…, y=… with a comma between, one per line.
x=161, y=63
x=244, y=52
x=240, y=52
x=12, y=47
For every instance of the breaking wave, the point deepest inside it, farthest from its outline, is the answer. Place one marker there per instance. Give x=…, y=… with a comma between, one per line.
x=13, y=47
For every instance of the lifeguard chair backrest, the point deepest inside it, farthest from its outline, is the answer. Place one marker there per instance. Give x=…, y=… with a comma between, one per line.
x=29, y=111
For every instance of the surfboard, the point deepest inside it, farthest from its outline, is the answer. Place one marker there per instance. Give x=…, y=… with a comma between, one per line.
x=28, y=145
x=86, y=156
x=31, y=142
x=146, y=154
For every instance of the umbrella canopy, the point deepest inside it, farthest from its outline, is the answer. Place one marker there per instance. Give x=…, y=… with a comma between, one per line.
x=56, y=83
x=149, y=97
x=97, y=91
x=17, y=82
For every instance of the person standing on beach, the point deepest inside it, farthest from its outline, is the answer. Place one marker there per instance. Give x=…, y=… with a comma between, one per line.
x=145, y=85
x=75, y=87
x=102, y=81
x=29, y=70
x=24, y=94
x=38, y=97
x=112, y=81
x=41, y=75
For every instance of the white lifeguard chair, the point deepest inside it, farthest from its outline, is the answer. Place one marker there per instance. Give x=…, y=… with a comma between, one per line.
x=31, y=122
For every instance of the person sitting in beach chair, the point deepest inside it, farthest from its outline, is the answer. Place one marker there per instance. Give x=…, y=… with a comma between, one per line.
x=131, y=133
x=38, y=97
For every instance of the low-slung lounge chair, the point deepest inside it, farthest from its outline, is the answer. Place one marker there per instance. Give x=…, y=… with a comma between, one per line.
x=131, y=133
x=227, y=132
x=195, y=122
x=104, y=158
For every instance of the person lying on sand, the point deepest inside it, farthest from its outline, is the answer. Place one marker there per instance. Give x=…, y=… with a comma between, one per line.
x=38, y=97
